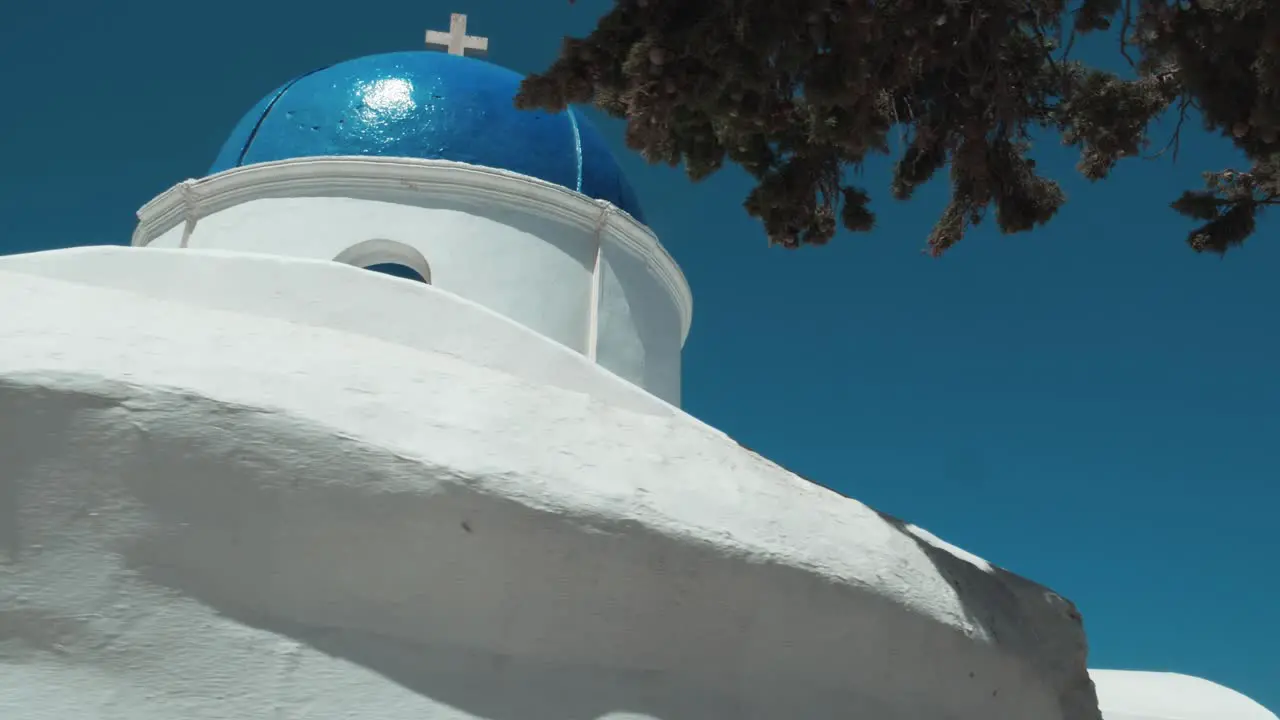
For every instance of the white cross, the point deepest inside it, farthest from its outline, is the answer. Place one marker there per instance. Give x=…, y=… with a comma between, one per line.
x=457, y=41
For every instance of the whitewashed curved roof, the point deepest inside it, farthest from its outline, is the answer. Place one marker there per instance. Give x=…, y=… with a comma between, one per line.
x=1133, y=695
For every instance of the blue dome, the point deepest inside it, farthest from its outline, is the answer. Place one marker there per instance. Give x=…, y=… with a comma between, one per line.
x=426, y=105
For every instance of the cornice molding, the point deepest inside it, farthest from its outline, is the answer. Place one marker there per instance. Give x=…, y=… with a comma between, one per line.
x=190, y=200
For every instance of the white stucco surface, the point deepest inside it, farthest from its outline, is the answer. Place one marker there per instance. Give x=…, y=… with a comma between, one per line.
x=634, y=324
x=501, y=263
x=524, y=248
x=209, y=514
x=418, y=316
x=1135, y=695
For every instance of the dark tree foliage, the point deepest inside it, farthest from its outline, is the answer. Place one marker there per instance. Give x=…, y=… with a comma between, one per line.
x=796, y=91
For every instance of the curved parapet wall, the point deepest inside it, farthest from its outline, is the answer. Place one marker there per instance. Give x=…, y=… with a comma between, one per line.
x=207, y=513
x=308, y=292
x=527, y=249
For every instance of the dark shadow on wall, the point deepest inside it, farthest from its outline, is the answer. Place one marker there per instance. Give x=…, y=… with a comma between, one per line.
x=1004, y=605
x=497, y=686
x=155, y=432
x=30, y=416
x=1009, y=607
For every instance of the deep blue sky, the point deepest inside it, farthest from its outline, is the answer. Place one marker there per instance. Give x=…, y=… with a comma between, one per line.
x=1091, y=405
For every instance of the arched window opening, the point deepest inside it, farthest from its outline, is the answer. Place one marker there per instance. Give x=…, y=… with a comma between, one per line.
x=397, y=270
x=389, y=258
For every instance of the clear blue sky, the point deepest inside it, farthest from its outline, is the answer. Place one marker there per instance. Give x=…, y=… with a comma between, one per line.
x=1091, y=405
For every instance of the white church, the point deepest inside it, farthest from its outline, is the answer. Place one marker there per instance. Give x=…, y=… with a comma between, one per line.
x=242, y=477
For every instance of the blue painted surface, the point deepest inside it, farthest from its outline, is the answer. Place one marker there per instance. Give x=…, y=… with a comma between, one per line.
x=426, y=105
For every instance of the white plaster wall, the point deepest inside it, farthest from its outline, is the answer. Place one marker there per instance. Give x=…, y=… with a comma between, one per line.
x=638, y=331
x=533, y=270
x=517, y=245
x=206, y=514
x=340, y=297
x=1139, y=695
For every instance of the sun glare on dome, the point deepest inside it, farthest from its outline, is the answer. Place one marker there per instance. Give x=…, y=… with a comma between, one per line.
x=388, y=99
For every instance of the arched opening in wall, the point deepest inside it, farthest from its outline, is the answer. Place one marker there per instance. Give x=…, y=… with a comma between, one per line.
x=389, y=258
x=398, y=270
